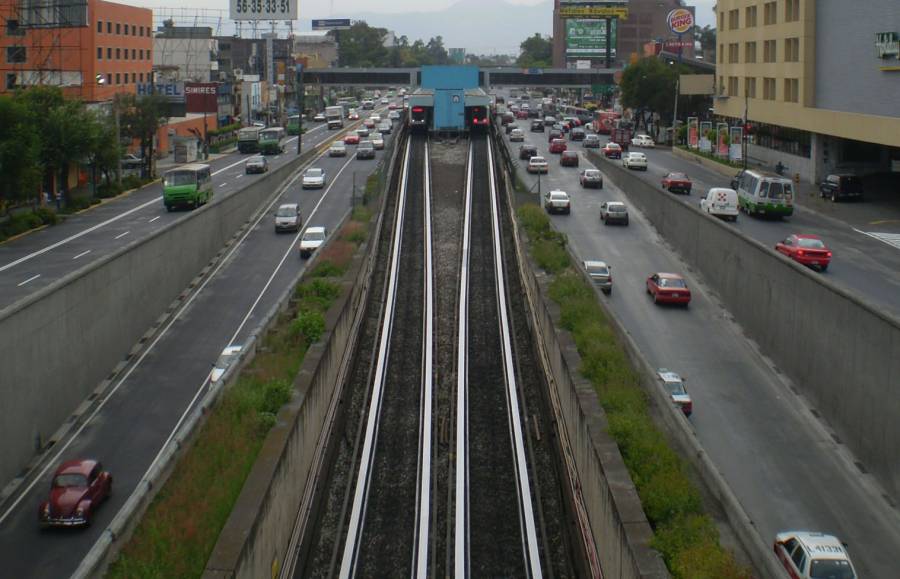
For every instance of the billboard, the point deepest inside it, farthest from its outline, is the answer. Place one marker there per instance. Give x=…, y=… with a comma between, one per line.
x=680, y=21
x=331, y=24
x=172, y=91
x=262, y=9
x=587, y=38
x=593, y=9
x=200, y=97
x=693, y=133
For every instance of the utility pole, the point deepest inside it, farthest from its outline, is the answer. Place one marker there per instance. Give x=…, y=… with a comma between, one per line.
x=300, y=100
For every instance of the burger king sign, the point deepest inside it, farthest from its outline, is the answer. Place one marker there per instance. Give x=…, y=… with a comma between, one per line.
x=680, y=20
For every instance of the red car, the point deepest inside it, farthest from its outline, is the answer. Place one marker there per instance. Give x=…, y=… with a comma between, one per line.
x=520, y=114
x=569, y=159
x=557, y=146
x=77, y=490
x=392, y=107
x=668, y=288
x=612, y=151
x=677, y=182
x=808, y=250
x=351, y=139
x=369, y=123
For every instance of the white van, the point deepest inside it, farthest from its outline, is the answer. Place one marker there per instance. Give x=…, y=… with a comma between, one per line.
x=765, y=194
x=721, y=202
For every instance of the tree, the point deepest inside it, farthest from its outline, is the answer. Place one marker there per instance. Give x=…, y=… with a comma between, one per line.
x=649, y=86
x=707, y=38
x=141, y=118
x=362, y=46
x=19, y=154
x=436, y=52
x=536, y=51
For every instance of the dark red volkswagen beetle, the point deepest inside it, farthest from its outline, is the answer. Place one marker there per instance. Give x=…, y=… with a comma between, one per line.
x=78, y=488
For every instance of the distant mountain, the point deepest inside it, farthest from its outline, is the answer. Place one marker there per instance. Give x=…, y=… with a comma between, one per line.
x=479, y=26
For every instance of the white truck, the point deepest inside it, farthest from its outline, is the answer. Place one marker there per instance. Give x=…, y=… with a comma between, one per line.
x=334, y=116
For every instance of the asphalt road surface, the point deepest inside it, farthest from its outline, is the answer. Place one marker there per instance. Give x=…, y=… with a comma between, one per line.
x=34, y=261
x=780, y=461
x=160, y=386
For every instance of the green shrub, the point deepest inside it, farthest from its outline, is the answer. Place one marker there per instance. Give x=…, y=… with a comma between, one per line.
x=309, y=325
x=681, y=533
x=47, y=215
x=326, y=268
x=276, y=393
x=107, y=190
x=550, y=255
x=131, y=182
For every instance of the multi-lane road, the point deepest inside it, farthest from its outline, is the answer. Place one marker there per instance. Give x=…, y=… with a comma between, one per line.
x=158, y=388
x=779, y=459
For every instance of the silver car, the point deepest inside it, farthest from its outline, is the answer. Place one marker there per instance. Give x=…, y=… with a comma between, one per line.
x=378, y=142
x=287, y=218
x=314, y=178
x=600, y=274
x=337, y=149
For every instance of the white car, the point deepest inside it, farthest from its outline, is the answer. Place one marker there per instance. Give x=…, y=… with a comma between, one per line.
x=537, y=164
x=394, y=115
x=808, y=555
x=600, y=274
x=634, y=161
x=375, y=118
x=385, y=127
x=384, y=101
x=722, y=202
x=674, y=386
x=642, y=141
x=516, y=135
x=557, y=202
x=319, y=117
x=228, y=356
x=337, y=149
x=312, y=239
x=378, y=142
x=314, y=177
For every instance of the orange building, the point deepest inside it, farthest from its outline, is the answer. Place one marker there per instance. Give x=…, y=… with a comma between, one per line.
x=91, y=48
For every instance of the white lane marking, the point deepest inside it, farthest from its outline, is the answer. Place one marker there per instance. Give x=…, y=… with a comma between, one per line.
x=82, y=254
x=154, y=219
x=119, y=236
x=223, y=184
x=892, y=239
x=29, y=280
x=240, y=175
x=96, y=411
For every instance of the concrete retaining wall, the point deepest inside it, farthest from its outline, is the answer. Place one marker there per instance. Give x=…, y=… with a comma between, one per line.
x=65, y=339
x=843, y=354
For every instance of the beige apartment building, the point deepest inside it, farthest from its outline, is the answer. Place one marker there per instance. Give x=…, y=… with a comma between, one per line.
x=819, y=81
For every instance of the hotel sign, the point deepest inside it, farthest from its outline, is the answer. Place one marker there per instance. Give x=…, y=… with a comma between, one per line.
x=887, y=48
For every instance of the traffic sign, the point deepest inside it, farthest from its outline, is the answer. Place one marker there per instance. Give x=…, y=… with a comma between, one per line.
x=331, y=24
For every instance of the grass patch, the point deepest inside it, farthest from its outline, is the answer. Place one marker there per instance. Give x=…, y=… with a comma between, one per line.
x=182, y=524
x=685, y=536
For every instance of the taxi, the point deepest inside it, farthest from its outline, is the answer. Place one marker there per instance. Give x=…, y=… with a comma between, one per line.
x=808, y=555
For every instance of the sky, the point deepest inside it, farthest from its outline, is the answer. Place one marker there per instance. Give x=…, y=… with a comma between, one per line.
x=325, y=8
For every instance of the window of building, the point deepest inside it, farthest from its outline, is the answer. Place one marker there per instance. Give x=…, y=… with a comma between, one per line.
x=108, y=78
x=16, y=54
x=734, y=52
x=13, y=28
x=791, y=90
x=108, y=53
x=721, y=21
x=109, y=27
x=141, y=76
x=141, y=31
x=99, y=27
x=721, y=53
x=126, y=54
x=769, y=51
x=118, y=78
x=133, y=77
x=791, y=10
x=734, y=19
x=732, y=86
x=750, y=86
x=769, y=89
x=118, y=54
x=118, y=28
x=792, y=50
x=750, y=52
x=141, y=53
x=99, y=53
x=133, y=53
x=750, y=17
x=721, y=89
x=770, y=13
x=10, y=80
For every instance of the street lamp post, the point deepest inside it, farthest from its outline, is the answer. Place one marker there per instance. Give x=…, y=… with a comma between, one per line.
x=300, y=104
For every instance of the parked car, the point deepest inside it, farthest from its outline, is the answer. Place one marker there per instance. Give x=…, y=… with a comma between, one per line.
x=77, y=490
x=569, y=159
x=527, y=151
x=668, y=288
x=613, y=212
x=591, y=141
x=351, y=139
x=288, y=218
x=600, y=273
x=592, y=178
x=557, y=146
x=809, y=555
x=808, y=250
x=314, y=178
x=838, y=187
x=674, y=385
x=365, y=150
x=537, y=126
x=721, y=202
x=225, y=360
x=537, y=164
x=557, y=201
x=677, y=182
x=337, y=149
x=634, y=161
x=612, y=151
x=642, y=141
x=319, y=117
x=516, y=135
x=312, y=239
x=577, y=134
x=256, y=164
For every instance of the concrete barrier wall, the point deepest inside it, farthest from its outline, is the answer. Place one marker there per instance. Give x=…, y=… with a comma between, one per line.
x=60, y=343
x=842, y=353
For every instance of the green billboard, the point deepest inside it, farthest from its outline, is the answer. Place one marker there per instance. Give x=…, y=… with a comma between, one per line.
x=587, y=38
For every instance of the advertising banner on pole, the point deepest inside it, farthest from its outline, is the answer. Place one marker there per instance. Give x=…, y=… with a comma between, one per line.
x=587, y=38
x=722, y=140
x=200, y=97
x=736, y=149
x=705, y=143
x=693, y=132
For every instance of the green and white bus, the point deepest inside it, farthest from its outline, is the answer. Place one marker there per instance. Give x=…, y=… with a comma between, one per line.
x=762, y=193
x=293, y=125
x=248, y=139
x=188, y=185
x=270, y=141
